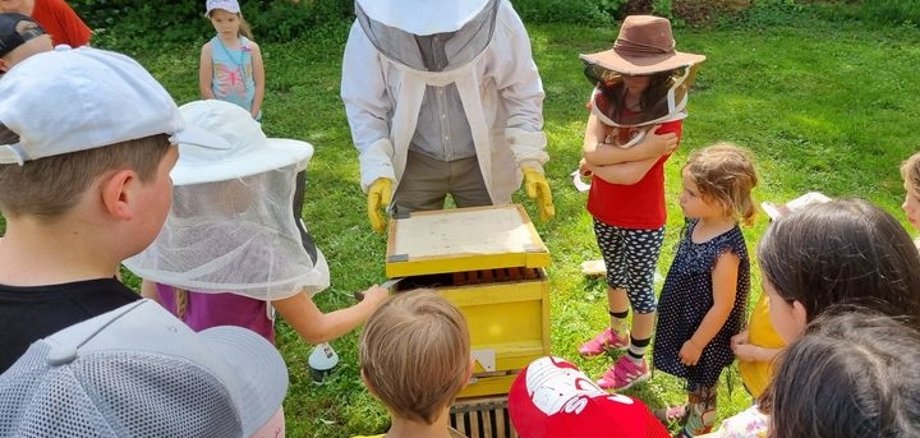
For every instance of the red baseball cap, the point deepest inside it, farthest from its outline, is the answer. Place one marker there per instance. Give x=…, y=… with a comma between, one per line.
x=552, y=398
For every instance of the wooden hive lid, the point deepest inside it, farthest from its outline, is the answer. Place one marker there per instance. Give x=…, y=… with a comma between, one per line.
x=463, y=239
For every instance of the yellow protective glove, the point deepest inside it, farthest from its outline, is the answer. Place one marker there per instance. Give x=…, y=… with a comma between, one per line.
x=538, y=189
x=378, y=198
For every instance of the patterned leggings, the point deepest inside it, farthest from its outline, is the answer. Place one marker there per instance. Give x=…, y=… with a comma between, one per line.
x=701, y=410
x=631, y=257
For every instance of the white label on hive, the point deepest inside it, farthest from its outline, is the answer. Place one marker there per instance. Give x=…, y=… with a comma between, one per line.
x=485, y=358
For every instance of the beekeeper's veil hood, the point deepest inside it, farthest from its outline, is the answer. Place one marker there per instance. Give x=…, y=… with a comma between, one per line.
x=428, y=35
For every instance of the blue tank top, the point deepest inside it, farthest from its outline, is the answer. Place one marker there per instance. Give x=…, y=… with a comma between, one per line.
x=231, y=77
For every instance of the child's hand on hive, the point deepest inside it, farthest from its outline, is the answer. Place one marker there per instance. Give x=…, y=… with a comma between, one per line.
x=376, y=295
x=690, y=353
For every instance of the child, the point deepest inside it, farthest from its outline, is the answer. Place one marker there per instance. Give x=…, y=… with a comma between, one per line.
x=137, y=372
x=231, y=66
x=910, y=172
x=756, y=347
x=231, y=69
x=840, y=252
x=853, y=374
x=55, y=16
x=84, y=184
x=705, y=293
x=415, y=358
x=553, y=398
x=230, y=252
x=843, y=252
x=20, y=38
x=635, y=91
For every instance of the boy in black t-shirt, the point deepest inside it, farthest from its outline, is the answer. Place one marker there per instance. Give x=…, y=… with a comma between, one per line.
x=88, y=142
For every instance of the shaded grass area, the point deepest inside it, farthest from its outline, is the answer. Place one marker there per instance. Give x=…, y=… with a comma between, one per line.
x=823, y=106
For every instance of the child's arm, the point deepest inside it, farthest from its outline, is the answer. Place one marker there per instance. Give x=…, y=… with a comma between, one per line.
x=724, y=290
x=149, y=290
x=623, y=173
x=258, y=76
x=205, y=72
x=754, y=353
x=599, y=153
x=315, y=326
x=748, y=352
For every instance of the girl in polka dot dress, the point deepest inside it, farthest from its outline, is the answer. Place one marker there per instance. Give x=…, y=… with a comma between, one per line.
x=705, y=293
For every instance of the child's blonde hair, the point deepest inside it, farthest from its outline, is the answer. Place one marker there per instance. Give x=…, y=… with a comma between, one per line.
x=724, y=173
x=910, y=171
x=415, y=354
x=49, y=187
x=245, y=28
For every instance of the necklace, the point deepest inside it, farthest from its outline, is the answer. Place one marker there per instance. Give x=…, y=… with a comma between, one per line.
x=237, y=63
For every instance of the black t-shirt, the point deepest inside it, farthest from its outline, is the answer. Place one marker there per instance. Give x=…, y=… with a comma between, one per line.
x=28, y=314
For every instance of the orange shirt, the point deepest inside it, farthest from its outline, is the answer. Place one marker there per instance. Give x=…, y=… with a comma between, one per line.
x=61, y=22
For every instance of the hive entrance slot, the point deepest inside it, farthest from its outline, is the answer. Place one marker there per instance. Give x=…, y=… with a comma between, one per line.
x=471, y=278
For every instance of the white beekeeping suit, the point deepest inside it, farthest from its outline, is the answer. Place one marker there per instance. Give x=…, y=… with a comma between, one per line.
x=481, y=53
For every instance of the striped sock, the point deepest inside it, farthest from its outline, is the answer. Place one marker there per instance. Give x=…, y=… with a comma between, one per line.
x=637, y=348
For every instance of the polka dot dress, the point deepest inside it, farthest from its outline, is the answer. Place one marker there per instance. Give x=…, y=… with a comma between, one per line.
x=687, y=296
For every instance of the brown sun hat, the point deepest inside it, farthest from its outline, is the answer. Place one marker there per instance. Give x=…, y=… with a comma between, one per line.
x=645, y=45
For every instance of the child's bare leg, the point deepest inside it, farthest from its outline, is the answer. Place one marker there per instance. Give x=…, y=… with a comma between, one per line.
x=618, y=304
x=643, y=324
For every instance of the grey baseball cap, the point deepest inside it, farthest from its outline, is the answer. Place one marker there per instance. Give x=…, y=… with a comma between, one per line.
x=139, y=371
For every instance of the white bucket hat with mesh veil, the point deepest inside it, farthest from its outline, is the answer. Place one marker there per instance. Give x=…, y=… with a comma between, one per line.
x=230, y=227
x=422, y=17
x=139, y=371
x=250, y=152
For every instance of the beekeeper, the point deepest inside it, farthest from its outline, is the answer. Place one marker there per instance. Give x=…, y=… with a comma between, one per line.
x=443, y=97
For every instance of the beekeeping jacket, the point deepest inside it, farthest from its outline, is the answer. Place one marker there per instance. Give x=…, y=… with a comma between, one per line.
x=384, y=81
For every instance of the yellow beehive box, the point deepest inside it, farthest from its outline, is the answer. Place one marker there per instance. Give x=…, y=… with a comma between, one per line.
x=488, y=261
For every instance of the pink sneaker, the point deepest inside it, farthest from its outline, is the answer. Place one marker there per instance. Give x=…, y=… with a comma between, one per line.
x=608, y=339
x=624, y=374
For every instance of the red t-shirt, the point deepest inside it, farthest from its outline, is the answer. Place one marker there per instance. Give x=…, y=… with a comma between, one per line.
x=637, y=206
x=61, y=22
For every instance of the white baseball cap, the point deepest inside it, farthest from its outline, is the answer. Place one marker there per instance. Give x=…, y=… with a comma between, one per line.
x=423, y=17
x=139, y=371
x=70, y=100
x=227, y=5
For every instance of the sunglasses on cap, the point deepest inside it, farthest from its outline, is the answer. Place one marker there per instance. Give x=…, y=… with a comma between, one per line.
x=15, y=30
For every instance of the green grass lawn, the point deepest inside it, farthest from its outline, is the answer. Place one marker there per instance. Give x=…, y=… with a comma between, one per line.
x=823, y=106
